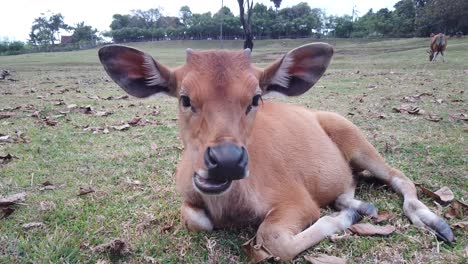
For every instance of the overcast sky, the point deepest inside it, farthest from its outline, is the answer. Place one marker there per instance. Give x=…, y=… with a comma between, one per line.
x=16, y=16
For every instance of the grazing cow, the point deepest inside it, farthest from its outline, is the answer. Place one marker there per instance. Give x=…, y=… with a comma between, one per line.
x=247, y=161
x=438, y=45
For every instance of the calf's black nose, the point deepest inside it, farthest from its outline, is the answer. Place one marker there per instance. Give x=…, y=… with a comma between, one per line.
x=226, y=161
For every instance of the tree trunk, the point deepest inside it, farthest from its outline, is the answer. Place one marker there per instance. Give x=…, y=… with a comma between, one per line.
x=246, y=24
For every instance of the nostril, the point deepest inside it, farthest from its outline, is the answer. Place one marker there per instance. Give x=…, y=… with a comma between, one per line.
x=244, y=159
x=210, y=159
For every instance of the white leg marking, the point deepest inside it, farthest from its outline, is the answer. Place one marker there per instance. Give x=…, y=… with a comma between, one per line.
x=198, y=219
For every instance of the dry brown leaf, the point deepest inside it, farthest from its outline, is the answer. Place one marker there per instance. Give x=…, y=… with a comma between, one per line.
x=382, y=216
x=116, y=246
x=13, y=199
x=32, y=225
x=455, y=209
x=458, y=117
x=47, y=206
x=121, y=127
x=436, y=196
x=88, y=109
x=95, y=97
x=134, y=121
x=102, y=113
x=255, y=253
x=84, y=191
x=366, y=229
x=325, y=259
x=133, y=182
x=445, y=194
x=463, y=224
x=433, y=118
x=6, y=139
x=7, y=211
x=117, y=98
x=167, y=228
x=414, y=110
x=7, y=115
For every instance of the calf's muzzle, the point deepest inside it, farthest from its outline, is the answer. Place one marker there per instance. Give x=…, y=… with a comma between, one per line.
x=224, y=162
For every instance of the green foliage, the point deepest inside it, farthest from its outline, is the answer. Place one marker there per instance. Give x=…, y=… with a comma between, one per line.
x=83, y=33
x=45, y=29
x=12, y=48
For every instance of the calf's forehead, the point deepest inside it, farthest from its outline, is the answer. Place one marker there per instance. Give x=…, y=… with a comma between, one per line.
x=222, y=72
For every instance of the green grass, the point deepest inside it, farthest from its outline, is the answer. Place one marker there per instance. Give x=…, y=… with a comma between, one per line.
x=366, y=79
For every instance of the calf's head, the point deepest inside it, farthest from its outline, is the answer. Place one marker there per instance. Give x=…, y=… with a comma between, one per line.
x=219, y=94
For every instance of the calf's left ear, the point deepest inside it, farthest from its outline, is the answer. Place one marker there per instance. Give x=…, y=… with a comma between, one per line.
x=298, y=70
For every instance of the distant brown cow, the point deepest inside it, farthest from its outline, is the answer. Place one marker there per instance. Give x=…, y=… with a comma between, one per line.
x=438, y=45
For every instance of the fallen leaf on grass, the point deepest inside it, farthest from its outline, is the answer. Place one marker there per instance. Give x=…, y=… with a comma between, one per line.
x=50, y=122
x=7, y=211
x=382, y=216
x=86, y=109
x=47, y=185
x=102, y=113
x=413, y=110
x=32, y=225
x=121, y=127
x=460, y=224
x=433, y=118
x=325, y=259
x=134, y=121
x=455, y=209
x=167, y=228
x=84, y=191
x=439, y=101
x=133, y=182
x=47, y=206
x=116, y=246
x=458, y=117
x=95, y=97
x=445, y=194
x=7, y=115
x=366, y=229
x=116, y=98
x=5, y=158
x=13, y=199
x=6, y=139
x=255, y=253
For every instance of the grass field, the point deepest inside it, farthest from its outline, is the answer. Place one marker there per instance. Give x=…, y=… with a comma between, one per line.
x=131, y=171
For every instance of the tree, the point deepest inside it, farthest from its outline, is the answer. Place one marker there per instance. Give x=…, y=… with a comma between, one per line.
x=246, y=23
x=81, y=32
x=277, y=4
x=186, y=15
x=45, y=29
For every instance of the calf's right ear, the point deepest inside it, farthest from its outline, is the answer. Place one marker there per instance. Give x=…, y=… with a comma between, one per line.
x=136, y=71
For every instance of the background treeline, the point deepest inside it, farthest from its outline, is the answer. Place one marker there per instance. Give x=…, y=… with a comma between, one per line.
x=410, y=18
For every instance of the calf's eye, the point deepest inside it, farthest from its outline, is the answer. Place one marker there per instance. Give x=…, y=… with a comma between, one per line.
x=256, y=99
x=185, y=100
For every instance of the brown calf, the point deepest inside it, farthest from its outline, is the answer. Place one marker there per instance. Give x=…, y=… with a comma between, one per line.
x=438, y=45
x=248, y=161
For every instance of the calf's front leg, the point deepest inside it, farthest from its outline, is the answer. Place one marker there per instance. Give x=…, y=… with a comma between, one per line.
x=195, y=218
